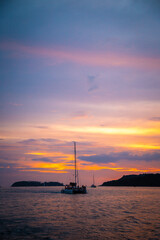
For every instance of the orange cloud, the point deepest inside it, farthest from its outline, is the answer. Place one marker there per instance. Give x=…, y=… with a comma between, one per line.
x=96, y=167
x=43, y=171
x=52, y=154
x=142, y=146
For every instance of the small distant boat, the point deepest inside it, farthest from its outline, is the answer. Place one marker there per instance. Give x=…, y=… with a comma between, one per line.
x=93, y=185
x=73, y=187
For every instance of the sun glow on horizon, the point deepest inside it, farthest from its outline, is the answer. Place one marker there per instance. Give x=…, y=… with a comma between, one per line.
x=142, y=146
x=112, y=131
x=83, y=78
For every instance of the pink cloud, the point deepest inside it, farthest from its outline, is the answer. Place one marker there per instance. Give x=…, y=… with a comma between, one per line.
x=80, y=115
x=16, y=104
x=105, y=59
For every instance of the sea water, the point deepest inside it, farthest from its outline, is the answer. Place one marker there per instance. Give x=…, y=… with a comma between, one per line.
x=102, y=213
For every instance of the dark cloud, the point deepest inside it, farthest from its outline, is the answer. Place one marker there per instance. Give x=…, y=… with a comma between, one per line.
x=9, y=165
x=92, y=88
x=42, y=160
x=115, y=157
x=92, y=83
x=43, y=127
x=91, y=79
x=28, y=141
x=155, y=119
x=3, y=157
x=32, y=140
x=103, y=158
x=49, y=140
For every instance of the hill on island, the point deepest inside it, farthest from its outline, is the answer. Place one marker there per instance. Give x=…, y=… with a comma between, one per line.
x=148, y=180
x=35, y=184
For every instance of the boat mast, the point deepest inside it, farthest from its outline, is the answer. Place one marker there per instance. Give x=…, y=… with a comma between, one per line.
x=75, y=163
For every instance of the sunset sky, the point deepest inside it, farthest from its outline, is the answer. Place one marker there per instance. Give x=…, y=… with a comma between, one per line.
x=85, y=71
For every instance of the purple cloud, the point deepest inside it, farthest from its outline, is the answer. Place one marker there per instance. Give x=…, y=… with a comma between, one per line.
x=42, y=160
x=115, y=157
x=155, y=119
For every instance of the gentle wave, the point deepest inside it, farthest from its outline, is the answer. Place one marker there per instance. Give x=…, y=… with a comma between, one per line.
x=103, y=213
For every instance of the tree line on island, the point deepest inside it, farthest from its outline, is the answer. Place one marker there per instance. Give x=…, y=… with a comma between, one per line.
x=141, y=180
x=35, y=184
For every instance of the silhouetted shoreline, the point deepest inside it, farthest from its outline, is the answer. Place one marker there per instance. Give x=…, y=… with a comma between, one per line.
x=141, y=180
x=35, y=184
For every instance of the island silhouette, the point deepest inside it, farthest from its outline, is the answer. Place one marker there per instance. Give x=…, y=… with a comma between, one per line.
x=35, y=184
x=141, y=180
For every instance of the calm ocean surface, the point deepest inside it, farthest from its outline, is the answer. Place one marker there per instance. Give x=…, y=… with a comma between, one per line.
x=103, y=213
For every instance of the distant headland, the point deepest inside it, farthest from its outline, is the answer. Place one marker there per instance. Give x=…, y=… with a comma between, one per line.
x=35, y=184
x=141, y=180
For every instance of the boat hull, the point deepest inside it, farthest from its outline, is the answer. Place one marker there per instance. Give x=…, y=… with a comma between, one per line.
x=74, y=191
x=69, y=191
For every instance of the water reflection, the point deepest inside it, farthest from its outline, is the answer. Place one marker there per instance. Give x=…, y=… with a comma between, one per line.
x=103, y=213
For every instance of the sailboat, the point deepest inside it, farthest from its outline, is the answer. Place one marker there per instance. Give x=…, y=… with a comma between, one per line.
x=93, y=185
x=74, y=187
